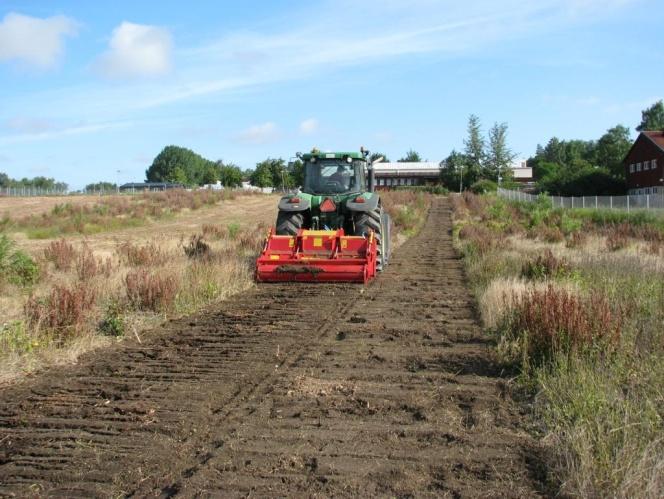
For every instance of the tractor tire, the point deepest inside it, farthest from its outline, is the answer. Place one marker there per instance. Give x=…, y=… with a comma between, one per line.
x=289, y=222
x=375, y=221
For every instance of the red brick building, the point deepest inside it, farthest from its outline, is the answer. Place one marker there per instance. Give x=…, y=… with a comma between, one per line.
x=644, y=164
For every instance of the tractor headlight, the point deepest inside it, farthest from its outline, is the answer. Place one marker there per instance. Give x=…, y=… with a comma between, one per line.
x=349, y=159
x=313, y=159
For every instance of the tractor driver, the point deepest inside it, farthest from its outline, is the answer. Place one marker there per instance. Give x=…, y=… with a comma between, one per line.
x=341, y=177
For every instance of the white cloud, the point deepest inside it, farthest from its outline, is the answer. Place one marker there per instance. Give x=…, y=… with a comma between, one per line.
x=309, y=126
x=137, y=50
x=59, y=132
x=34, y=41
x=259, y=134
x=243, y=60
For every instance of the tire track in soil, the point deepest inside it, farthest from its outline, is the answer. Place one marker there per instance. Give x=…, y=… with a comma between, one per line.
x=285, y=390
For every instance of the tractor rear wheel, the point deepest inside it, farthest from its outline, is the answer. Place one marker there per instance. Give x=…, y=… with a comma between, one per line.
x=378, y=222
x=289, y=222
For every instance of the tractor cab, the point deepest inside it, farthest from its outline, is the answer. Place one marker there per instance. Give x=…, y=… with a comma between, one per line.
x=333, y=174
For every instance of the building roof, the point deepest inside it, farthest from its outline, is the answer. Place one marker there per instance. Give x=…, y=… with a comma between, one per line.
x=421, y=167
x=656, y=137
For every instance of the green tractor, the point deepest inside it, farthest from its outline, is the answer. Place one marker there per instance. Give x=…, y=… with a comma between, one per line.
x=337, y=193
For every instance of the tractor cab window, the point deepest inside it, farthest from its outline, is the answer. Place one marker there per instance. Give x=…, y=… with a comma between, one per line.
x=333, y=177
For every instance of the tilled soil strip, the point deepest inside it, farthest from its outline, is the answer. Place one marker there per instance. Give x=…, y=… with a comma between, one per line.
x=286, y=390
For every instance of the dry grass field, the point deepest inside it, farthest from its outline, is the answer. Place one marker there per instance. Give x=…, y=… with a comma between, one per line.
x=128, y=263
x=575, y=302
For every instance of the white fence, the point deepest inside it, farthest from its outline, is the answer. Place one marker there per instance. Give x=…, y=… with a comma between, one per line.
x=628, y=203
x=31, y=191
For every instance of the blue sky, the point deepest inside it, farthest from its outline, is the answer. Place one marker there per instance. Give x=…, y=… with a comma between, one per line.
x=88, y=89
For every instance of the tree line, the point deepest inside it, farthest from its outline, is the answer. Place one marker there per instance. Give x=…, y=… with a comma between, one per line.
x=590, y=167
x=42, y=183
x=183, y=166
x=484, y=160
x=561, y=167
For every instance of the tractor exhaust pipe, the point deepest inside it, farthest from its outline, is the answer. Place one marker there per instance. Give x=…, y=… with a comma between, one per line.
x=372, y=175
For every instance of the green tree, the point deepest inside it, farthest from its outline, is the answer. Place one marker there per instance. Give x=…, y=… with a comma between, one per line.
x=542, y=168
x=612, y=147
x=101, y=187
x=411, y=157
x=5, y=181
x=374, y=156
x=262, y=175
x=499, y=156
x=555, y=151
x=581, y=179
x=178, y=176
x=210, y=174
x=453, y=171
x=179, y=164
x=296, y=171
x=279, y=174
x=475, y=153
x=230, y=175
x=652, y=118
x=246, y=174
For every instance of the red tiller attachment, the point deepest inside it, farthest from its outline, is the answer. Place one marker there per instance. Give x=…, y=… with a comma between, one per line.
x=317, y=256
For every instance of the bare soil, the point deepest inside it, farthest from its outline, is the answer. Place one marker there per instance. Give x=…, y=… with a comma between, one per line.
x=287, y=390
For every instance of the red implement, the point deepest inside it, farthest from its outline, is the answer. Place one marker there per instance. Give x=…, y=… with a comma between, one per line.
x=317, y=256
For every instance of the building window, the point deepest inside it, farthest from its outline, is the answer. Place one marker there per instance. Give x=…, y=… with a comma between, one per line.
x=631, y=168
x=653, y=164
x=647, y=190
x=638, y=167
x=646, y=165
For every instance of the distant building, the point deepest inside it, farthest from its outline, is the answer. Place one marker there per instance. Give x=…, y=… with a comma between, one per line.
x=521, y=172
x=149, y=186
x=246, y=186
x=643, y=164
x=388, y=175
x=217, y=186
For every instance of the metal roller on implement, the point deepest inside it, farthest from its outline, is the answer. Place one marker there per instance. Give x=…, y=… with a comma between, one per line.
x=317, y=256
